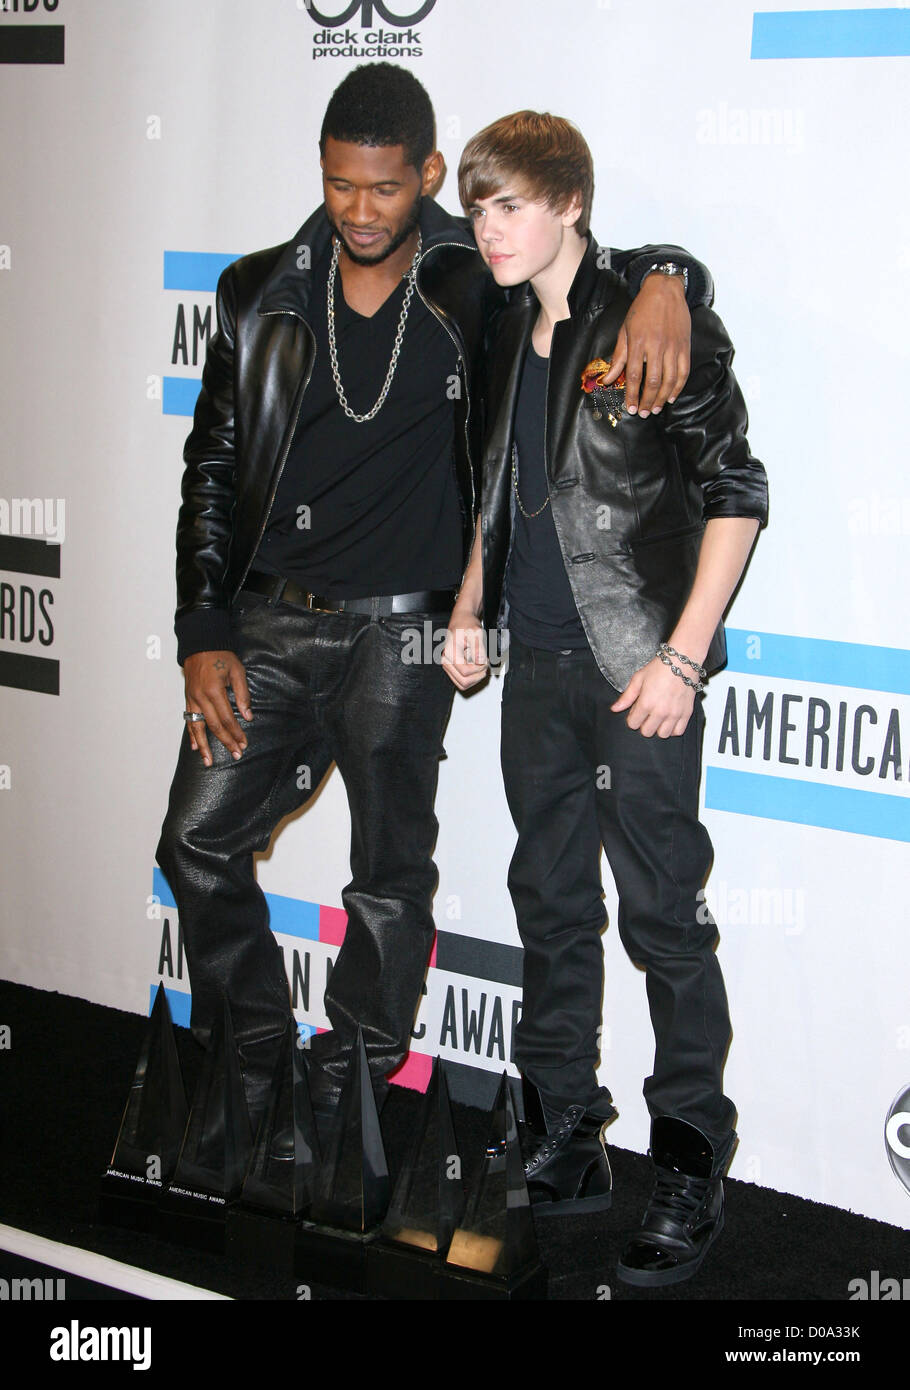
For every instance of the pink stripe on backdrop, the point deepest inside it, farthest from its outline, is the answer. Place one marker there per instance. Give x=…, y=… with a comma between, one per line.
x=414, y=1072
x=333, y=923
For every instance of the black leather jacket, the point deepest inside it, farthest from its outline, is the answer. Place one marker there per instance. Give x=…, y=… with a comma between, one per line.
x=257, y=368
x=629, y=502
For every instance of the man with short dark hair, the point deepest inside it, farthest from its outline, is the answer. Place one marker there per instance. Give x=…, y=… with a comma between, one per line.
x=611, y=547
x=328, y=504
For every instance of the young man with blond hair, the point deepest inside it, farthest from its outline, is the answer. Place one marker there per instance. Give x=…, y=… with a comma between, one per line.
x=610, y=545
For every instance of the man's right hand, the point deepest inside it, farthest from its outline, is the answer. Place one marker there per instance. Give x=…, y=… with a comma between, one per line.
x=208, y=676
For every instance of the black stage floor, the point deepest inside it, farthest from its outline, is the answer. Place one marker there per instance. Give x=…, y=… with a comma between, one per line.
x=65, y=1078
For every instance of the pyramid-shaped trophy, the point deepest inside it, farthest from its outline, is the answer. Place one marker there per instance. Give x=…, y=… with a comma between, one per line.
x=151, y=1130
x=284, y=1167
x=216, y=1149
x=493, y=1254
x=427, y=1205
x=352, y=1194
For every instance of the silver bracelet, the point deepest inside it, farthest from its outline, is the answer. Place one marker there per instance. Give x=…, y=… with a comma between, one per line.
x=671, y=651
x=666, y=654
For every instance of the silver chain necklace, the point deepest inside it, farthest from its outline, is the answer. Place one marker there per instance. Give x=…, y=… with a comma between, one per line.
x=521, y=506
x=333, y=351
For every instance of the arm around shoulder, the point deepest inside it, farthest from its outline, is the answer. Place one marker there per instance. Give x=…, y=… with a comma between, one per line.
x=636, y=265
x=708, y=424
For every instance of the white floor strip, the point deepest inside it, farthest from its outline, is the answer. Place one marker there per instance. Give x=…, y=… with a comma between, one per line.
x=99, y=1268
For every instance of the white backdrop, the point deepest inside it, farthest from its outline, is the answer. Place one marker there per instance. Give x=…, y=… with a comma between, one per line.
x=193, y=128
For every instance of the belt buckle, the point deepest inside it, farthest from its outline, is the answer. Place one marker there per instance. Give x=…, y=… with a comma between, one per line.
x=312, y=606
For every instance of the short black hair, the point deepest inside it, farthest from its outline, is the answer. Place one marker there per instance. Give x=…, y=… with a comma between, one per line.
x=382, y=104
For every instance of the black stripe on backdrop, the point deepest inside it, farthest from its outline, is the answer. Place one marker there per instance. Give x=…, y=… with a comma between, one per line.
x=31, y=43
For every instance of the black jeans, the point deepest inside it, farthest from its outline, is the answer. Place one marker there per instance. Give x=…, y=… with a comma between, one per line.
x=324, y=688
x=577, y=777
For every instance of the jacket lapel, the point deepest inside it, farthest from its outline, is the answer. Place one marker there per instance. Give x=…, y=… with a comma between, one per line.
x=596, y=317
x=505, y=369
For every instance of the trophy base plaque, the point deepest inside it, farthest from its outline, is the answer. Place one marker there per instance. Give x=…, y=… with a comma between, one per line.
x=261, y=1238
x=454, y=1283
x=327, y=1255
x=190, y=1217
x=396, y=1270
x=129, y=1200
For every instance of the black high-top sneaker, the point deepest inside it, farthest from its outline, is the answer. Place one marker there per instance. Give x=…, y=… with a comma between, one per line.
x=686, y=1212
x=567, y=1169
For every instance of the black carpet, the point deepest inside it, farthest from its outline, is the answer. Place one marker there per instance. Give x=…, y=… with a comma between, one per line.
x=65, y=1078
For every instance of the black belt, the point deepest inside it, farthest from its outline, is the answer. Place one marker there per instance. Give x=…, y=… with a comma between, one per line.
x=279, y=590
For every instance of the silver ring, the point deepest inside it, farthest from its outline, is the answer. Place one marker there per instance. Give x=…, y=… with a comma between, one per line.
x=193, y=717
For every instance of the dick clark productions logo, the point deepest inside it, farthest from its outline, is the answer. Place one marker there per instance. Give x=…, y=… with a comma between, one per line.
x=366, y=8
x=899, y=1150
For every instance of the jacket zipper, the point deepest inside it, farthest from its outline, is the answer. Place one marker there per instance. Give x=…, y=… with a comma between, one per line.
x=301, y=388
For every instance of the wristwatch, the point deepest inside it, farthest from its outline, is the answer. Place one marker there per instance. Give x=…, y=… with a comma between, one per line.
x=671, y=268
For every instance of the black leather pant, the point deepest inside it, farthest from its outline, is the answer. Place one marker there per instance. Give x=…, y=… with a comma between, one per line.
x=324, y=688
x=577, y=777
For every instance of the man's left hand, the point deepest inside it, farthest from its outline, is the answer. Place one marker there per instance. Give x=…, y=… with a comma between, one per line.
x=654, y=344
x=658, y=702
x=464, y=658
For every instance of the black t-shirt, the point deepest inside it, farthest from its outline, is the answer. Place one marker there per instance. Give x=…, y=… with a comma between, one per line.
x=542, y=611
x=371, y=508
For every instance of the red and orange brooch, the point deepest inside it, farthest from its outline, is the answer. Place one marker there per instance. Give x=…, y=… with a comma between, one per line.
x=607, y=399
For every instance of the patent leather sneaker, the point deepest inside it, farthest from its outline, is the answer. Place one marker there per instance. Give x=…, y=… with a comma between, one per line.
x=686, y=1212
x=568, y=1171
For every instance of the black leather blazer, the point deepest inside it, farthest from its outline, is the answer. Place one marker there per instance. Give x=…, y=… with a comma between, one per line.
x=629, y=502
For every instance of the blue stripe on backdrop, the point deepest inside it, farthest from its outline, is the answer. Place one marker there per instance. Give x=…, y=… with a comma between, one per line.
x=882, y=33
x=293, y=917
x=162, y=889
x=808, y=803
x=290, y=916
x=179, y=394
x=195, y=270
x=816, y=659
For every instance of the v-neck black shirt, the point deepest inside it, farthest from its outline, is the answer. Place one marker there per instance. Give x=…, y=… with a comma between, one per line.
x=542, y=611
x=371, y=508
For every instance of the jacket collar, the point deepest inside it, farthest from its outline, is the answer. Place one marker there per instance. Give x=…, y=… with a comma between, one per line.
x=591, y=290
x=289, y=285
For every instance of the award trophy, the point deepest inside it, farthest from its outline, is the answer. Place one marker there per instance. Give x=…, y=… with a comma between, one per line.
x=281, y=1179
x=151, y=1130
x=215, y=1152
x=352, y=1193
x=426, y=1207
x=493, y=1254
